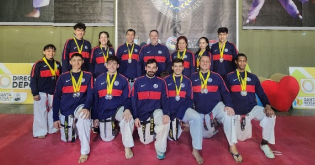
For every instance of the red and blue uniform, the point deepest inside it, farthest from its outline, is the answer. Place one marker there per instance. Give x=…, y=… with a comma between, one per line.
x=178, y=108
x=104, y=108
x=97, y=60
x=158, y=52
x=229, y=55
x=189, y=62
x=41, y=78
x=244, y=104
x=63, y=97
x=129, y=70
x=70, y=48
x=204, y=103
x=149, y=94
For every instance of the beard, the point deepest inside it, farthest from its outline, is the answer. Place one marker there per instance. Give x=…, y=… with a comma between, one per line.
x=151, y=74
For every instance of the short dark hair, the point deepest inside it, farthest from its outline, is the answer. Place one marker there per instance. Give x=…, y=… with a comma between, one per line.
x=151, y=61
x=241, y=55
x=223, y=30
x=49, y=46
x=179, y=38
x=76, y=55
x=177, y=60
x=131, y=30
x=154, y=30
x=113, y=58
x=79, y=25
x=164, y=74
x=108, y=41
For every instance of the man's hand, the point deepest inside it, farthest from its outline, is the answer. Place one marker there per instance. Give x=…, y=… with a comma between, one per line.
x=36, y=98
x=84, y=113
x=137, y=123
x=165, y=119
x=268, y=111
x=96, y=123
x=57, y=124
x=127, y=115
x=229, y=110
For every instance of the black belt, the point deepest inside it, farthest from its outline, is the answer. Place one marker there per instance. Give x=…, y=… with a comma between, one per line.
x=243, y=122
x=112, y=120
x=211, y=121
x=176, y=130
x=66, y=126
x=144, y=123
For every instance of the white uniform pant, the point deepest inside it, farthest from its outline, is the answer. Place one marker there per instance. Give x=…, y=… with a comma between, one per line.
x=222, y=117
x=126, y=129
x=161, y=130
x=267, y=124
x=82, y=128
x=288, y=5
x=43, y=121
x=40, y=3
x=195, y=121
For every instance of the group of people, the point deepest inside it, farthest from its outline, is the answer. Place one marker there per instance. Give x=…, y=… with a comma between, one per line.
x=149, y=89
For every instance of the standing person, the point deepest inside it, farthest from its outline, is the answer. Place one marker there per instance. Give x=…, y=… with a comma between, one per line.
x=111, y=103
x=100, y=54
x=181, y=103
x=37, y=4
x=244, y=85
x=186, y=55
x=76, y=45
x=128, y=54
x=44, y=75
x=223, y=54
x=209, y=90
x=156, y=51
x=151, y=108
x=204, y=50
x=72, y=99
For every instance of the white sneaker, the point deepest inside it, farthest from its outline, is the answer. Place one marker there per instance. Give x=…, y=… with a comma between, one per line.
x=268, y=152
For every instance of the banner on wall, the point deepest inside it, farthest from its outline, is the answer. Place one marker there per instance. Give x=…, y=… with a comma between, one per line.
x=279, y=14
x=306, y=78
x=174, y=18
x=57, y=12
x=15, y=83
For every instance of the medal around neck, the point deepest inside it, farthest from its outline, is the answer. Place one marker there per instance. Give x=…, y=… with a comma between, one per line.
x=244, y=93
x=177, y=98
x=129, y=60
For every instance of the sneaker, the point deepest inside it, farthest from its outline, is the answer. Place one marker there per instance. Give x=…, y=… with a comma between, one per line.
x=268, y=152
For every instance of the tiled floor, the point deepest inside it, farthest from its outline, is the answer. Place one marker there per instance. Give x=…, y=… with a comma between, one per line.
x=28, y=109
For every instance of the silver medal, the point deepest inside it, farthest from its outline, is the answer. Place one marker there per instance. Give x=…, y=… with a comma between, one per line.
x=53, y=78
x=108, y=97
x=177, y=98
x=244, y=93
x=76, y=94
x=205, y=91
x=221, y=60
x=129, y=60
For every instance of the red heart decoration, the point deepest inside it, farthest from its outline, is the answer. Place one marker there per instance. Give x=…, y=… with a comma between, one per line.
x=281, y=94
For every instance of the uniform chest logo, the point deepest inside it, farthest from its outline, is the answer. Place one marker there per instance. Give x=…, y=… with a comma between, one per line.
x=136, y=50
x=116, y=83
x=83, y=80
x=210, y=80
x=182, y=85
x=249, y=79
x=226, y=50
x=86, y=48
x=160, y=52
x=155, y=86
x=110, y=52
x=102, y=83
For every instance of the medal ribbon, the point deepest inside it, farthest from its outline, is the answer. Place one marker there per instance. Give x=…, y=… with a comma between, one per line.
x=53, y=71
x=241, y=80
x=181, y=57
x=130, y=52
x=221, y=48
x=204, y=82
x=199, y=57
x=76, y=84
x=110, y=84
x=79, y=48
x=105, y=57
x=178, y=88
